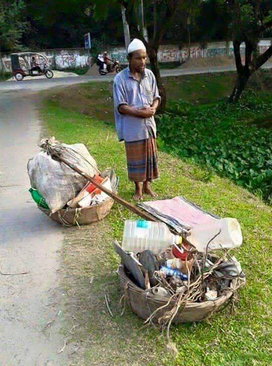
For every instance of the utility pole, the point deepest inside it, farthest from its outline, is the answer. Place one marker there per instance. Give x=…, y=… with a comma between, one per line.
x=125, y=26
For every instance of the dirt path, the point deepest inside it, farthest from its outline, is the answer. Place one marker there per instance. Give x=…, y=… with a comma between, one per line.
x=31, y=303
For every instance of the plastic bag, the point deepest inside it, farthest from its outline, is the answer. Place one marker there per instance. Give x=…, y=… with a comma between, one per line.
x=55, y=181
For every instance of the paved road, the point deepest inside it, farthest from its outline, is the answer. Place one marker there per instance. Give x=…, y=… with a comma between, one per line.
x=38, y=85
x=30, y=305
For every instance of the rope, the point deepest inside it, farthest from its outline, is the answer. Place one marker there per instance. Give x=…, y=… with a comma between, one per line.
x=62, y=220
x=77, y=215
x=55, y=148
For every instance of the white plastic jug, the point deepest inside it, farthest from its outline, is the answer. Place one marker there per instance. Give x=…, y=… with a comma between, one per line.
x=147, y=235
x=229, y=237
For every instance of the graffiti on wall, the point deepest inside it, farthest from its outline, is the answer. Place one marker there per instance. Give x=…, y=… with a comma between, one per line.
x=169, y=55
x=214, y=52
x=59, y=60
x=7, y=65
x=119, y=55
x=65, y=59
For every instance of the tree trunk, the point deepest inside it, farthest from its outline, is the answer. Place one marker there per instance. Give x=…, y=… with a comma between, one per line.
x=189, y=43
x=240, y=84
x=153, y=57
x=125, y=26
x=243, y=71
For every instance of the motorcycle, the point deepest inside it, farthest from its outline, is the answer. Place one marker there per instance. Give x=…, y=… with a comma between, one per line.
x=112, y=67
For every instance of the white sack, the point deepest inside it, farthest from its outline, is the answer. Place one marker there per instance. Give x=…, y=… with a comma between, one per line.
x=56, y=182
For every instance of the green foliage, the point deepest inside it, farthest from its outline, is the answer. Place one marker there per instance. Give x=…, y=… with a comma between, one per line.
x=12, y=24
x=78, y=70
x=5, y=76
x=248, y=18
x=216, y=135
x=62, y=23
x=212, y=22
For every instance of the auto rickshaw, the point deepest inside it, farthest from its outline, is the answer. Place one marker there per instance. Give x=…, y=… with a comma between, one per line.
x=30, y=64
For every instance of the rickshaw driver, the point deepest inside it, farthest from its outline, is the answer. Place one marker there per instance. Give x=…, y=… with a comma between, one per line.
x=34, y=65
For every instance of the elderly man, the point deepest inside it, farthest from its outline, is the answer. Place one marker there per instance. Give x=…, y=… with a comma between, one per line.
x=136, y=99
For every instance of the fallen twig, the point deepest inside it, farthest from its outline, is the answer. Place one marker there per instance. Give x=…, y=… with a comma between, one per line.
x=63, y=347
x=108, y=306
x=13, y=274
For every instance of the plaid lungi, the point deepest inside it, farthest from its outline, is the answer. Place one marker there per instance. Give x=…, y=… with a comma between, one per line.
x=142, y=160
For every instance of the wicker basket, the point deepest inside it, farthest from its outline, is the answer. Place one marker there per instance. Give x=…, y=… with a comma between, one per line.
x=81, y=216
x=143, y=303
x=84, y=216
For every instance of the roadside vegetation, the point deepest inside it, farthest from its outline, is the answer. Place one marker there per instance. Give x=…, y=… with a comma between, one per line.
x=200, y=125
x=5, y=76
x=234, y=336
x=77, y=70
x=231, y=140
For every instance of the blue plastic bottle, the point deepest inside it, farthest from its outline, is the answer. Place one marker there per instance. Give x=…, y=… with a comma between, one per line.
x=174, y=273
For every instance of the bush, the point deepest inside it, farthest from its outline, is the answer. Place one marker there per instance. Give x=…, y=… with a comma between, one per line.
x=5, y=76
x=219, y=136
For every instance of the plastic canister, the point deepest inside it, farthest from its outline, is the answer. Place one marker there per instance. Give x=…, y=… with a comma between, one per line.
x=143, y=235
x=230, y=235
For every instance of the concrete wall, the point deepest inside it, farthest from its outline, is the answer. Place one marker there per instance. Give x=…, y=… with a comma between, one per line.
x=77, y=58
x=58, y=59
x=172, y=53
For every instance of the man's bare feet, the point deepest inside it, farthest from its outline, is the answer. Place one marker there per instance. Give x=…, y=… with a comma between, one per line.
x=148, y=190
x=138, y=195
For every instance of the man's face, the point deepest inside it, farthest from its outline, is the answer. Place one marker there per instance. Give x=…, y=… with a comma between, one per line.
x=138, y=60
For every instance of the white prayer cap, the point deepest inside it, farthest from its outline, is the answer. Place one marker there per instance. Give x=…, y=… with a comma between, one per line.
x=136, y=45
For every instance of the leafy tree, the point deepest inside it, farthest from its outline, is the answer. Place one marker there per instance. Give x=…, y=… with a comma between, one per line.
x=62, y=23
x=249, y=20
x=12, y=24
x=158, y=18
x=212, y=22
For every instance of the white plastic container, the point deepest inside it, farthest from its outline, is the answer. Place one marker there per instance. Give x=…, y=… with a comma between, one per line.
x=229, y=237
x=147, y=235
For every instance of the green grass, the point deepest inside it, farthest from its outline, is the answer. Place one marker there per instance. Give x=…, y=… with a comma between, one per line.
x=242, y=338
x=78, y=70
x=199, y=130
x=4, y=77
x=211, y=88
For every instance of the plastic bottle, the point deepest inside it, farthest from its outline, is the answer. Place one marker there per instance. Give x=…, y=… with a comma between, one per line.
x=38, y=198
x=174, y=273
x=147, y=235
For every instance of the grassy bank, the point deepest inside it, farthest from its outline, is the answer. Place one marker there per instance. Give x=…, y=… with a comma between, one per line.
x=77, y=70
x=240, y=338
x=95, y=99
x=234, y=141
x=6, y=76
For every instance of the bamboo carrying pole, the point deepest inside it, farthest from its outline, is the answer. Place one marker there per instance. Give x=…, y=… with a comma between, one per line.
x=118, y=199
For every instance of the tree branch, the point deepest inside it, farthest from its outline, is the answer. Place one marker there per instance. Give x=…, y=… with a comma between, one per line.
x=166, y=21
x=262, y=59
x=265, y=26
